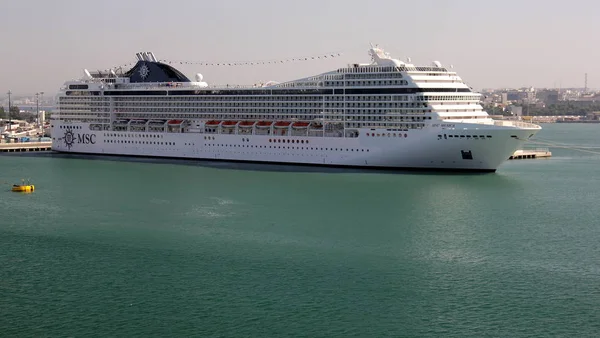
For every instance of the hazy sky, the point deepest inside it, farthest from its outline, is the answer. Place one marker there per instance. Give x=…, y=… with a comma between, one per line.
x=491, y=44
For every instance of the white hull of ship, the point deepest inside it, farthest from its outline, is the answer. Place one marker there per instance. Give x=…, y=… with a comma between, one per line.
x=422, y=149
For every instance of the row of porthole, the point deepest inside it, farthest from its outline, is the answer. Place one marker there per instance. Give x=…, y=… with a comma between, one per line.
x=284, y=147
x=278, y=140
x=139, y=142
x=70, y=127
x=133, y=135
x=463, y=136
x=270, y=140
x=388, y=134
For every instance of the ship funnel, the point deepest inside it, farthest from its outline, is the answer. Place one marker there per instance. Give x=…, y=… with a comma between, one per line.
x=139, y=56
x=152, y=57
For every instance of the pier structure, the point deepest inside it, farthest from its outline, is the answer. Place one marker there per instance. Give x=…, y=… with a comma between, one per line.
x=531, y=154
x=25, y=147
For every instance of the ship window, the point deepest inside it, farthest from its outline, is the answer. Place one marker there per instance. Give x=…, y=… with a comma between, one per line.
x=78, y=86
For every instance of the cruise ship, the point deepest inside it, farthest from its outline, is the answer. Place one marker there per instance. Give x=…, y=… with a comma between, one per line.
x=385, y=113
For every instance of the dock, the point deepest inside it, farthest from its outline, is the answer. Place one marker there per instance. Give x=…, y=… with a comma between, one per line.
x=25, y=147
x=531, y=153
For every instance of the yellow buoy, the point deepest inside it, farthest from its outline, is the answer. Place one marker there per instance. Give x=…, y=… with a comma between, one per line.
x=23, y=187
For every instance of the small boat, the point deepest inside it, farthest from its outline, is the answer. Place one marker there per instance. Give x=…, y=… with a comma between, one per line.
x=300, y=125
x=23, y=187
x=246, y=124
x=229, y=123
x=282, y=124
x=175, y=122
x=212, y=123
x=316, y=126
x=264, y=124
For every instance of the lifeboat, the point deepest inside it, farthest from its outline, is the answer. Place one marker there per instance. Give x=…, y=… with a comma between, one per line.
x=300, y=125
x=23, y=187
x=264, y=124
x=246, y=124
x=229, y=123
x=175, y=122
x=316, y=126
x=282, y=124
x=212, y=123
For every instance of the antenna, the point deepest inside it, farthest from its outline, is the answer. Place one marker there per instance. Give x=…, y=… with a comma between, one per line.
x=585, y=88
x=9, y=114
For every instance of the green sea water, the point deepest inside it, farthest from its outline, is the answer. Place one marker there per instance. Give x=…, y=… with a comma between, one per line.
x=130, y=247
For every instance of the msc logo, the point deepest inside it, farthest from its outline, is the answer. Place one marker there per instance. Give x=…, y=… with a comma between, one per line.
x=86, y=138
x=70, y=138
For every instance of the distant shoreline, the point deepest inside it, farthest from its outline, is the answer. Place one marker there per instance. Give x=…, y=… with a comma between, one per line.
x=594, y=121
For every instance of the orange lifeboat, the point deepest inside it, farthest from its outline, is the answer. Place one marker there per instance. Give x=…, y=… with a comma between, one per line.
x=229, y=123
x=247, y=124
x=264, y=124
x=212, y=123
x=300, y=125
x=282, y=124
x=175, y=122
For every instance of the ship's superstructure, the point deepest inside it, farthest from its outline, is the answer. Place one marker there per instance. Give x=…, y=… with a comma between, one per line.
x=386, y=113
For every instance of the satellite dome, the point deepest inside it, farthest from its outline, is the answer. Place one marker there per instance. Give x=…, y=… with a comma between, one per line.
x=199, y=77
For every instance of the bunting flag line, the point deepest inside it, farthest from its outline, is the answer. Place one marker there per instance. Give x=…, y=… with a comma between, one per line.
x=123, y=67
x=253, y=63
